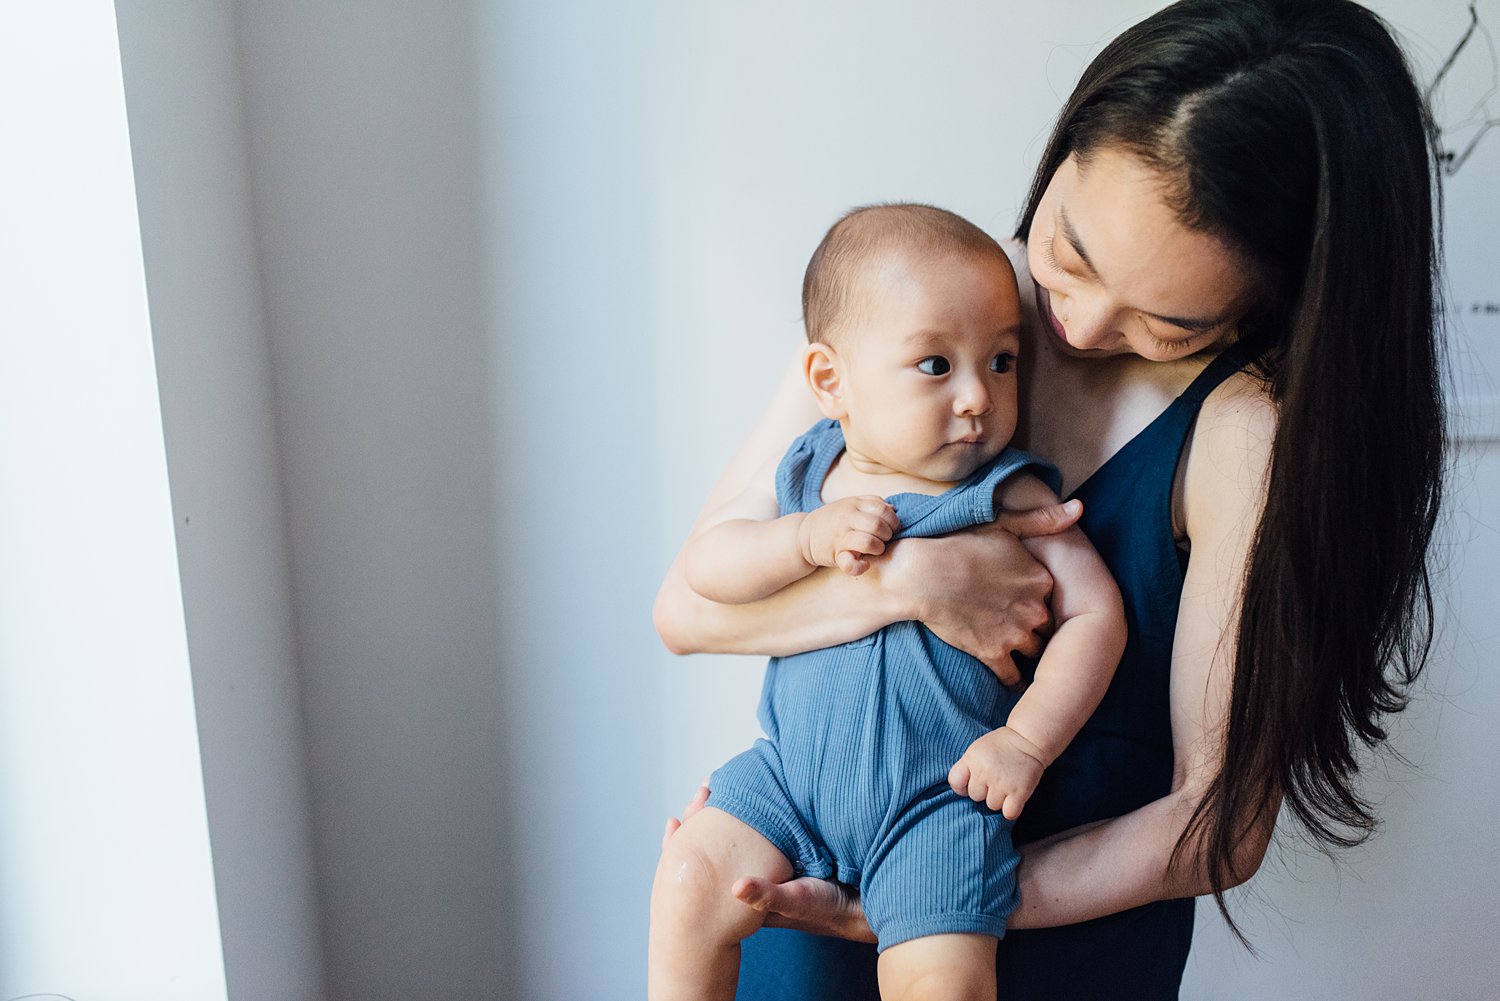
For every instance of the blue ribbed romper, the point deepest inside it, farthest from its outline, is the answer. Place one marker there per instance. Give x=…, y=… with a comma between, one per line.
x=1120, y=760
x=851, y=780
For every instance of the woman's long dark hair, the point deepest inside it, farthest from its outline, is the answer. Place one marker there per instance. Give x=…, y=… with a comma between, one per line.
x=1293, y=130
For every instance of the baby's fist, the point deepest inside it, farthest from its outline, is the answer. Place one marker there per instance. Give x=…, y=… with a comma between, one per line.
x=1000, y=770
x=845, y=533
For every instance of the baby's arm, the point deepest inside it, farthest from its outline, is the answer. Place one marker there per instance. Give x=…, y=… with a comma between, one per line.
x=753, y=553
x=1002, y=768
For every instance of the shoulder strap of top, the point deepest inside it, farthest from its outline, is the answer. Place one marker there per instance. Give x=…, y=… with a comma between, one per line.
x=1229, y=361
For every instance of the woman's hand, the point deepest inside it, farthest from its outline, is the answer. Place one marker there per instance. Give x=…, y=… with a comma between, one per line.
x=699, y=801
x=980, y=590
x=817, y=906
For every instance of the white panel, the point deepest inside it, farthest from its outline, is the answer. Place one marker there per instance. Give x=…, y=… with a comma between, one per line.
x=104, y=851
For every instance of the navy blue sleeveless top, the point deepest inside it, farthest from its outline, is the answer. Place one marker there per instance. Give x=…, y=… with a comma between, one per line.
x=1121, y=760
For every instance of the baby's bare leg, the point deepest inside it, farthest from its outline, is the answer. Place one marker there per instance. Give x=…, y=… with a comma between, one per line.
x=940, y=968
x=696, y=923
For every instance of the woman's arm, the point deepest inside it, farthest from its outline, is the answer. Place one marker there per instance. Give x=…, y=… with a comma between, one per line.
x=981, y=590
x=1127, y=861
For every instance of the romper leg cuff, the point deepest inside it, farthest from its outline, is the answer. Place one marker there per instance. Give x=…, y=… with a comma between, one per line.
x=956, y=923
x=792, y=842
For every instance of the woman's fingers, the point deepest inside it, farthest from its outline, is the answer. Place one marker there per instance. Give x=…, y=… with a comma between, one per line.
x=820, y=906
x=698, y=802
x=672, y=824
x=1047, y=520
x=980, y=590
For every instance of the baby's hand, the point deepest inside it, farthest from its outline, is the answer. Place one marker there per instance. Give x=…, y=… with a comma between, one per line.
x=845, y=533
x=1000, y=769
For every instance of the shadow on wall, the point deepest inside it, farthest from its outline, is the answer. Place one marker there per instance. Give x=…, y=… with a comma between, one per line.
x=437, y=357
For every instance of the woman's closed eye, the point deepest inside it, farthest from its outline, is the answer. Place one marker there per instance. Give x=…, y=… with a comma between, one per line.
x=1177, y=344
x=1049, y=257
x=934, y=365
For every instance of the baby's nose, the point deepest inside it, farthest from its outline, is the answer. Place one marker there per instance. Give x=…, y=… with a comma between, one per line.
x=973, y=400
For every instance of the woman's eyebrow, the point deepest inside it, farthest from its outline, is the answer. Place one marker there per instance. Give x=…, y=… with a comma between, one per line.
x=1071, y=235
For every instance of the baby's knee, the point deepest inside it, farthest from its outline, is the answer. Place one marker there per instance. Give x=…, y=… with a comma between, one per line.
x=695, y=879
x=687, y=870
x=692, y=889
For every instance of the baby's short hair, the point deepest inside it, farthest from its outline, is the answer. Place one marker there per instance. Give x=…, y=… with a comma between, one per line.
x=868, y=233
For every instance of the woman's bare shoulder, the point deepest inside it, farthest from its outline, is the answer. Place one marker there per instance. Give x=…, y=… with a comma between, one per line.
x=1240, y=403
x=1229, y=457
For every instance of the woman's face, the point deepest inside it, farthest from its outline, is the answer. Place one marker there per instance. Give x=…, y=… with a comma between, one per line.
x=1117, y=273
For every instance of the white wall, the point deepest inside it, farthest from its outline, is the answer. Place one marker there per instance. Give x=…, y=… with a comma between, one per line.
x=571, y=127
x=363, y=159
x=1410, y=914
x=104, y=840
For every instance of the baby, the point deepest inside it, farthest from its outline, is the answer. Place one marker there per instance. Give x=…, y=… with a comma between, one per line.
x=895, y=763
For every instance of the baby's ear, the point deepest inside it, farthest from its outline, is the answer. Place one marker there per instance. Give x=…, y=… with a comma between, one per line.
x=824, y=370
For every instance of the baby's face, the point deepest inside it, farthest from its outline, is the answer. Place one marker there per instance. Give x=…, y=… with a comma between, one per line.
x=929, y=360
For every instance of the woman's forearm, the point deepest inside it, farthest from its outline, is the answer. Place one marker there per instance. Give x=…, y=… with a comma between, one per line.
x=1118, y=864
x=1097, y=870
x=823, y=609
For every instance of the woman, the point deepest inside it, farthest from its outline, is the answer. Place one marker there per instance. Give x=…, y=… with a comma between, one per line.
x=1232, y=357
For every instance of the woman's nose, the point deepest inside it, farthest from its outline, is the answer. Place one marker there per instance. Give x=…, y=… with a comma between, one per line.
x=1089, y=324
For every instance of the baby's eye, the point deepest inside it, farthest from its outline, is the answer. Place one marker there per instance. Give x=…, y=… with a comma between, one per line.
x=936, y=365
x=1002, y=363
